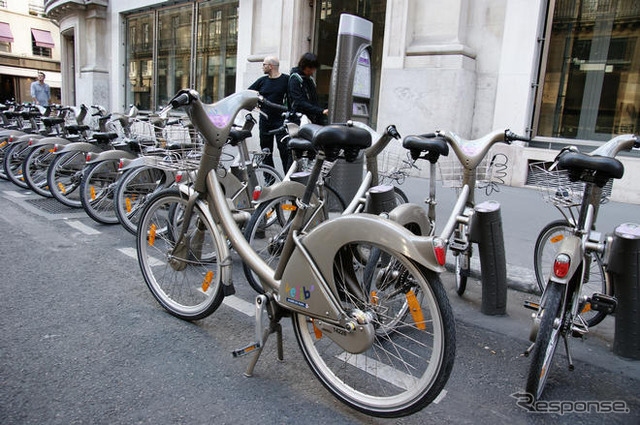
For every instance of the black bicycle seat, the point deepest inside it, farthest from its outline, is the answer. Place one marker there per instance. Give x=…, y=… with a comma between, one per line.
x=432, y=145
x=301, y=145
x=237, y=136
x=51, y=121
x=75, y=128
x=308, y=131
x=342, y=137
x=598, y=168
x=104, y=137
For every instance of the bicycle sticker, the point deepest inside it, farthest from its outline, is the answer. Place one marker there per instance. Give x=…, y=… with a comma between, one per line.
x=218, y=119
x=470, y=148
x=296, y=295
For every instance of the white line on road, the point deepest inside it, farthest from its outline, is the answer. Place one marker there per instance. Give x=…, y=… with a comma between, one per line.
x=442, y=395
x=14, y=194
x=379, y=370
x=83, y=227
x=232, y=301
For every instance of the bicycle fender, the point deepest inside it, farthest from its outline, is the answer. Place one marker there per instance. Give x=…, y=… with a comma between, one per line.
x=50, y=141
x=413, y=217
x=79, y=147
x=143, y=161
x=26, y=138
x=111, y=155
x=572, y=246
x=300, y=288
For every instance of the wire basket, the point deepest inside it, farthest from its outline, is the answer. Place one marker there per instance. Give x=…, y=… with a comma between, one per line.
x=556, y=187
x=451, y=172
x=394, y=166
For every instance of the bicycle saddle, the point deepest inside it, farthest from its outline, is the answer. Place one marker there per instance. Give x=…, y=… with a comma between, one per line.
x=104, y=137
x=301, y=145
x=597, y=169
x=432, y=145
x=237, y=136
x=308, y=131
x=51, y=121
x=332, y=138
x=75, y=128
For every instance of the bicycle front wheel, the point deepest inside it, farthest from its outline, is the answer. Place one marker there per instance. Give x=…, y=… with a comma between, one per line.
x=64, y=177
x=133, y=190
x=12, y=163
x=550, y=316
x=97, y=189
x=413, y=351
x=181, y=270
x=596, y=279
x=35, y=168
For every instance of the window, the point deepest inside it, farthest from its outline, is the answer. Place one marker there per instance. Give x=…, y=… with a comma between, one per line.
x=590, y=84
x=160, y=59
x=41, y=43
x=6, y=37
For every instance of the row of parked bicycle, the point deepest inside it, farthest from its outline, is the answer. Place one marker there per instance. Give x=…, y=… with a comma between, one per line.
x=360, y=278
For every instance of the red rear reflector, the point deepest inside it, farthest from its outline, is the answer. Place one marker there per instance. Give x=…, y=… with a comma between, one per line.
x=121, y=164
x=178, y=178
x=561, y=265
x=257, y=192
x=88, y=157
x=440, y=249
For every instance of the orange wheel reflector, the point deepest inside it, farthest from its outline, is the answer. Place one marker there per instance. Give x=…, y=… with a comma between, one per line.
x=93, y=193
x=152, y=234
x=62, y=188
x=374, y=297
x=587, y=307
x=557, y=238
x=127, y=201
x=2, y=145
x=270, y=213
x=289, y=207
x=415, y=309
x=52, y=150
x=316, y=331
x=207, y=281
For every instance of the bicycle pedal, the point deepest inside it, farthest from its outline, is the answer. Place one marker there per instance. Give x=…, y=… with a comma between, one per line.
x=246, y=350
x=531, y=305
x=603, y=303
x=457, y=245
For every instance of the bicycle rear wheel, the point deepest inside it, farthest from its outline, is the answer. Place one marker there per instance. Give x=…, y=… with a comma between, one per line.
x=133, y=190
x=64, y=177
x=551, y=316
x=596, y=278
x=97, y=189
x=35, y=168
x=185, y=278
x=413, y=351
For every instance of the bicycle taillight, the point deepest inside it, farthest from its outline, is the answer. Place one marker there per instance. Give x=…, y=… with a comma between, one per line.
x=561, y=265
x=440, y=250
x=257, y=192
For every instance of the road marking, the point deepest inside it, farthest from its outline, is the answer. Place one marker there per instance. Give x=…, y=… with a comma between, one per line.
x=442, y=395
x=241, y=305
x=83, y=227
x=232, y=301
x=379, y=370
x=14, y=194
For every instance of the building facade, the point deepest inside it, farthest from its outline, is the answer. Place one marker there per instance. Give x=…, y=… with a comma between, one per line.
x=561, y=71
x=28, y=44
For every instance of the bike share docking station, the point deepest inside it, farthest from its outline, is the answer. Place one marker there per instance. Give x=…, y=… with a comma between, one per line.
x=350, y=93
x=624, y=270
x=486, y=231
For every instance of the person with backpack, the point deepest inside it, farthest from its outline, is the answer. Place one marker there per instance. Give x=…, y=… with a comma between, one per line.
x=302, y=94
x=273, y=87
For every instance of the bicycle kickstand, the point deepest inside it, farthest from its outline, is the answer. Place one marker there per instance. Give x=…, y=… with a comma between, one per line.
x=263, y=331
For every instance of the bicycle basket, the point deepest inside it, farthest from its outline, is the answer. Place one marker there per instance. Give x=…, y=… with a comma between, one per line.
x=394, y=166
x=556, y=188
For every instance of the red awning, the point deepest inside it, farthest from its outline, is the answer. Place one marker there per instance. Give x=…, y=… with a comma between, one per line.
x=5, y=33
x=42, y=38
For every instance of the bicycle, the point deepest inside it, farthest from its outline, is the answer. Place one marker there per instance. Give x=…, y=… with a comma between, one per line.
x=561, y=307
x=384, y=346
x=470, y=154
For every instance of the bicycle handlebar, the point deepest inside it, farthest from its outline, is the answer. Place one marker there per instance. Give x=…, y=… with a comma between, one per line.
x=264, y=102
x=510, y=136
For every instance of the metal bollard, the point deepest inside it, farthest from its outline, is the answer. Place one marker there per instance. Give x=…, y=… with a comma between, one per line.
x=624, y=270
x=486, y=231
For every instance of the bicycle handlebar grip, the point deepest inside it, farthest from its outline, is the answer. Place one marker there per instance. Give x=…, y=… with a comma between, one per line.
x=393, y=132
x=511, y=136
x=180, y=100
x=275, y=106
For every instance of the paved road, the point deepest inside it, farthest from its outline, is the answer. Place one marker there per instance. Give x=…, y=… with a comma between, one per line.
x=84, y=342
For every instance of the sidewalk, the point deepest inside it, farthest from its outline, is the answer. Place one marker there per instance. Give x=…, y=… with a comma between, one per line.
x=524, y=214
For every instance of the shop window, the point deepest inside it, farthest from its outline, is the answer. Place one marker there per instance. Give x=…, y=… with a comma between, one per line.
x=590, y=80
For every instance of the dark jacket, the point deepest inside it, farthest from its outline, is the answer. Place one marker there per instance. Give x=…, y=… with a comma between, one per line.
x=303, y=96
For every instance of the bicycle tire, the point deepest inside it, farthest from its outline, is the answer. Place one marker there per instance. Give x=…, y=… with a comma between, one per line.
x=64, y=176
x=267, y=229
x=12, y=163
x=97, y=189
x=401, y=197
x=133, y=190
x=175, y=279
x=546, y=340
x=409, y=362
x=35, y=167
x=4, y=145
x=267, y=175
x=596, y=279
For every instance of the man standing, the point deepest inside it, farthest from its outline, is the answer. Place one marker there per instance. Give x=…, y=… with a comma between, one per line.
x=273, y=87
x=303, y=96
x=40, y=91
